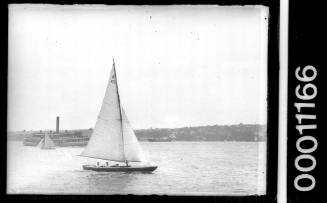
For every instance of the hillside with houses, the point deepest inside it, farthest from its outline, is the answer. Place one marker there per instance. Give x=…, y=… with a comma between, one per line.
x=240, y=132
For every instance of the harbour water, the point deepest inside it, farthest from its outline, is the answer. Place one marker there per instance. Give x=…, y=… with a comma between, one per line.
x=184, y=168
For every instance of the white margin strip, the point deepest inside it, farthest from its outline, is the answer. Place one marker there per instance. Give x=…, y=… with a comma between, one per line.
x=282, y=123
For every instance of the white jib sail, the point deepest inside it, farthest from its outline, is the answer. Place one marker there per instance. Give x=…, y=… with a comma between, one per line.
x=108, y=138
x=132, y=148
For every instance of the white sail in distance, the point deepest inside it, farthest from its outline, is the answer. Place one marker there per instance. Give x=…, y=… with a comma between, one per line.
x=112, y=137
x=46, y=142
x=41, y=143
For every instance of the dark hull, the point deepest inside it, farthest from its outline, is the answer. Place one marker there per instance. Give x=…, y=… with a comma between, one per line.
x=48, y=148
x=120, y=168
x=159, y=140
x=72, y=144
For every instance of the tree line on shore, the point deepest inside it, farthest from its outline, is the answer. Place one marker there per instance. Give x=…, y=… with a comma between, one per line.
x=238, y=132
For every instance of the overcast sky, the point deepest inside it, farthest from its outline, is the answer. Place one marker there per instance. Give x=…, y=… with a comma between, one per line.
x=176, y=65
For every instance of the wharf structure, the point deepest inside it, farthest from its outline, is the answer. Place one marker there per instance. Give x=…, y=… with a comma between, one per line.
x=59, y=138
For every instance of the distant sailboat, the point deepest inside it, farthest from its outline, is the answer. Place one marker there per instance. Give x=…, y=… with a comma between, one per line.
x=113, y=138
x=46, y=142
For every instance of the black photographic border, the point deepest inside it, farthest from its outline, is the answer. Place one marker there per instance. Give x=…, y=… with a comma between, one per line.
x=307, y=39
x=272, y=98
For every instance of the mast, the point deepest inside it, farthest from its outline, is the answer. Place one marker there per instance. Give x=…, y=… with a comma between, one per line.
x=121, y=118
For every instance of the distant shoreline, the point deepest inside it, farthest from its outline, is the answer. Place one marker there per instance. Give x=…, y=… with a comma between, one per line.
x=227, y=133
x=157, y=142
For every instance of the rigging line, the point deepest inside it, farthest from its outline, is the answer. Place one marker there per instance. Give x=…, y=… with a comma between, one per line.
x=121, y=118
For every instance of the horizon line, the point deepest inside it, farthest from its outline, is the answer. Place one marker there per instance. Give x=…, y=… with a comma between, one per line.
x=143, y=128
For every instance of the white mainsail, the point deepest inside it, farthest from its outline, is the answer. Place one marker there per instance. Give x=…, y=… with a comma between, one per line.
x=113, y=138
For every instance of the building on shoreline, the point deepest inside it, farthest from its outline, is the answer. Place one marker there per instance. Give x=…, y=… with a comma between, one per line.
x=60, y=138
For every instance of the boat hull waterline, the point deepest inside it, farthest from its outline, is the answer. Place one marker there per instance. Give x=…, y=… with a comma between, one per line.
x=120, y=168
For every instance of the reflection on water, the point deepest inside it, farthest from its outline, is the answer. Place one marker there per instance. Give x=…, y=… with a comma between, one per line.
x=184, y=168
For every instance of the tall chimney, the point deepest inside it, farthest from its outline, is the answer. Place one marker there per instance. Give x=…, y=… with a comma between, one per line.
x=57, y=125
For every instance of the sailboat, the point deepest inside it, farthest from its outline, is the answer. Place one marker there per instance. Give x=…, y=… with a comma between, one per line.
x=46, y=142
x=113, y=138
